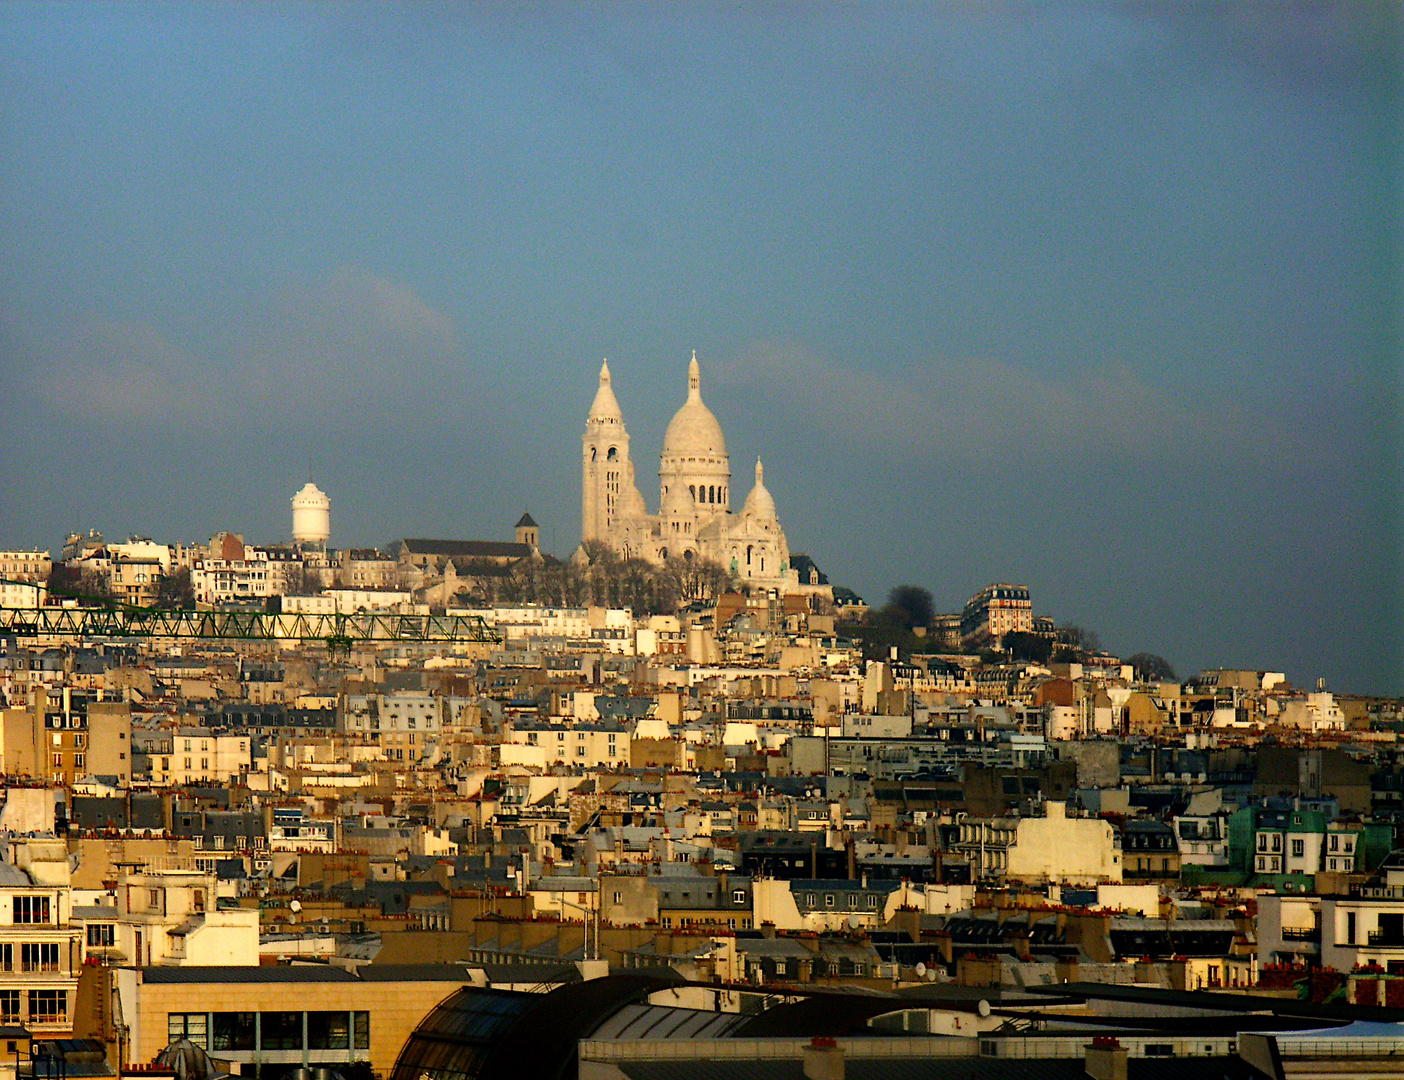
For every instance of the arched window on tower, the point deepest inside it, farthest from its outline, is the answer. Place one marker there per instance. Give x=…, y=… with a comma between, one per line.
x=712, y=493
x=692, y=490
x=613, y=453
x=748, y=554
x=594, y=452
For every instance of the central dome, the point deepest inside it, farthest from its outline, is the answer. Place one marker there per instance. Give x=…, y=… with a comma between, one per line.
x=694, y=431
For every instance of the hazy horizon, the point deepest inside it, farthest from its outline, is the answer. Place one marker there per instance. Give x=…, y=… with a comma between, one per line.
x=1102, y=299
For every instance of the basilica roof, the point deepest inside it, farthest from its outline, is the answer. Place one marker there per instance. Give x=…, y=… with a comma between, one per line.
x=694, y=431
x=605, y=405
x=760, y=503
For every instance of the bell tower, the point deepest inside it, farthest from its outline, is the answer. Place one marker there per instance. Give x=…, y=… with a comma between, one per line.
x=604, y=464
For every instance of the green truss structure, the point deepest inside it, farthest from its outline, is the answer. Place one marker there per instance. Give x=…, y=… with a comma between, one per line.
x=336, y=630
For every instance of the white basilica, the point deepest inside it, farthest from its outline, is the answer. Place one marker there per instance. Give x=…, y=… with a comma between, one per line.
x=694, y=515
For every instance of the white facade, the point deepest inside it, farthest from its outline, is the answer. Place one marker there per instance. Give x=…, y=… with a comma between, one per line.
x=169, y=918
x=221, y=581
x=202, y=756
x=311, y=516
x=694, y=516
x=39, y=953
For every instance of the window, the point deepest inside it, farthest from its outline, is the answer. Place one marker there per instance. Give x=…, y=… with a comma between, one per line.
x=178, y=1025
x=282, y=1030
x=1335, y=842
x=39, y=956
x=31, y=909
x=1298, y=849
x=328, y=1031
x=360, y=1029
x=48, y=1006
x=1276, y=842
x=101, y=935
x=233, y=1031
x=10, y=1006
x=78, y=761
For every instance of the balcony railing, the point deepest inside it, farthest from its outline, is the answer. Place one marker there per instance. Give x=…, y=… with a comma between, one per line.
x=1301, y=933
x=1386, y=938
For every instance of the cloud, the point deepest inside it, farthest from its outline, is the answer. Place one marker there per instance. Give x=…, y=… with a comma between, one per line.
x=351, y=338
x=101, y=367
x=972, y=408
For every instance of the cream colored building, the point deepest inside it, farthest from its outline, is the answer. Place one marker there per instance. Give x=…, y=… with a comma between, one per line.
x=694, y=516
x=1053, y=848
x=198, y=755
x=170, y=918
x=280, y=1017
x=39, y=951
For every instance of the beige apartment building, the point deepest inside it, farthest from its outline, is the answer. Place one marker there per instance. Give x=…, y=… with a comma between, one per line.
x=275, y=1018
x=39, y=949
x=67, y=734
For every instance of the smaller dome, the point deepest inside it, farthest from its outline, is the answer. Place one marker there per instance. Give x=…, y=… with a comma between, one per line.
x=760, y=503
x=605, y=405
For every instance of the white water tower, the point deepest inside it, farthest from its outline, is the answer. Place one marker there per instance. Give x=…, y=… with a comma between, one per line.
x=311, y=516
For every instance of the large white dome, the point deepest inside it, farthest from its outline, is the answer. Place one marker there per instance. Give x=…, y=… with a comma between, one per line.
x=694, y=431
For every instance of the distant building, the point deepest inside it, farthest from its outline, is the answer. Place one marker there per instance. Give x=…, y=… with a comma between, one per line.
x=994, y=611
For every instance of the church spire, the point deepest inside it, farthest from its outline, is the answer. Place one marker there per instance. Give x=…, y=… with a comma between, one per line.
x=694, y=379
x=605, y=405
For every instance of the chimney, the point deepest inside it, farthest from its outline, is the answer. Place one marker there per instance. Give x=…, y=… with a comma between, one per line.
x=1106, y=1059
x=823, y=1060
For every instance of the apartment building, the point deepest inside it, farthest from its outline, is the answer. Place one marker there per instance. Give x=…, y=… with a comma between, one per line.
x=39, y=946
x=199, y=755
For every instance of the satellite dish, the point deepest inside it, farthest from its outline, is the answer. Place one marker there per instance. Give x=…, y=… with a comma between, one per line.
x=295, y=906
x=921, y=971
x=931, y=976
x=853, y=922
x=983, y=1008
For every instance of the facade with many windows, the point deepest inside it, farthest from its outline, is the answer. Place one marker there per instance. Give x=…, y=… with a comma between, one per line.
x=39, y=948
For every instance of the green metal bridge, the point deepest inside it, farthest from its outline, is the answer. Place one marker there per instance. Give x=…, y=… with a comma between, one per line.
x=337, y=630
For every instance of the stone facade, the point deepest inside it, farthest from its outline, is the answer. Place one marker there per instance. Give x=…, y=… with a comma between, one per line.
x=694, y=517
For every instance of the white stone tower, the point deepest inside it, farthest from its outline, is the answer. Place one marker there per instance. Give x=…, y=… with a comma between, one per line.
x=605, y=457
x=694, y=471
x=311, y=516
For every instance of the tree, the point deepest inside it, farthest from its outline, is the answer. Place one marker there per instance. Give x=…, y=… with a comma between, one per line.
x=1021, y=645
x=910, y=606
x=174, y=592
x=1079, y=639
x=84, y=584
x=1151, y=668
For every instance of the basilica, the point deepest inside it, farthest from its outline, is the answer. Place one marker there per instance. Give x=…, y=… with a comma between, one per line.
x=694, y=518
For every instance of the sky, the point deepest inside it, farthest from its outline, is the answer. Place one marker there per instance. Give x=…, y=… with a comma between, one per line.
x=1103, y=299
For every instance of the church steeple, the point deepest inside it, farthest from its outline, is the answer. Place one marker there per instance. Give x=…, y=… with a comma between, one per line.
x=694, y=379
x=605, y=407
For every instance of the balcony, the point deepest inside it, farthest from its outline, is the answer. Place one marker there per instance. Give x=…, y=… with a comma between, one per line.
x=1302, y=933
x=1386, y=938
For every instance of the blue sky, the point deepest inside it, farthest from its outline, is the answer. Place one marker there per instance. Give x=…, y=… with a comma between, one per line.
x=1100, y=298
